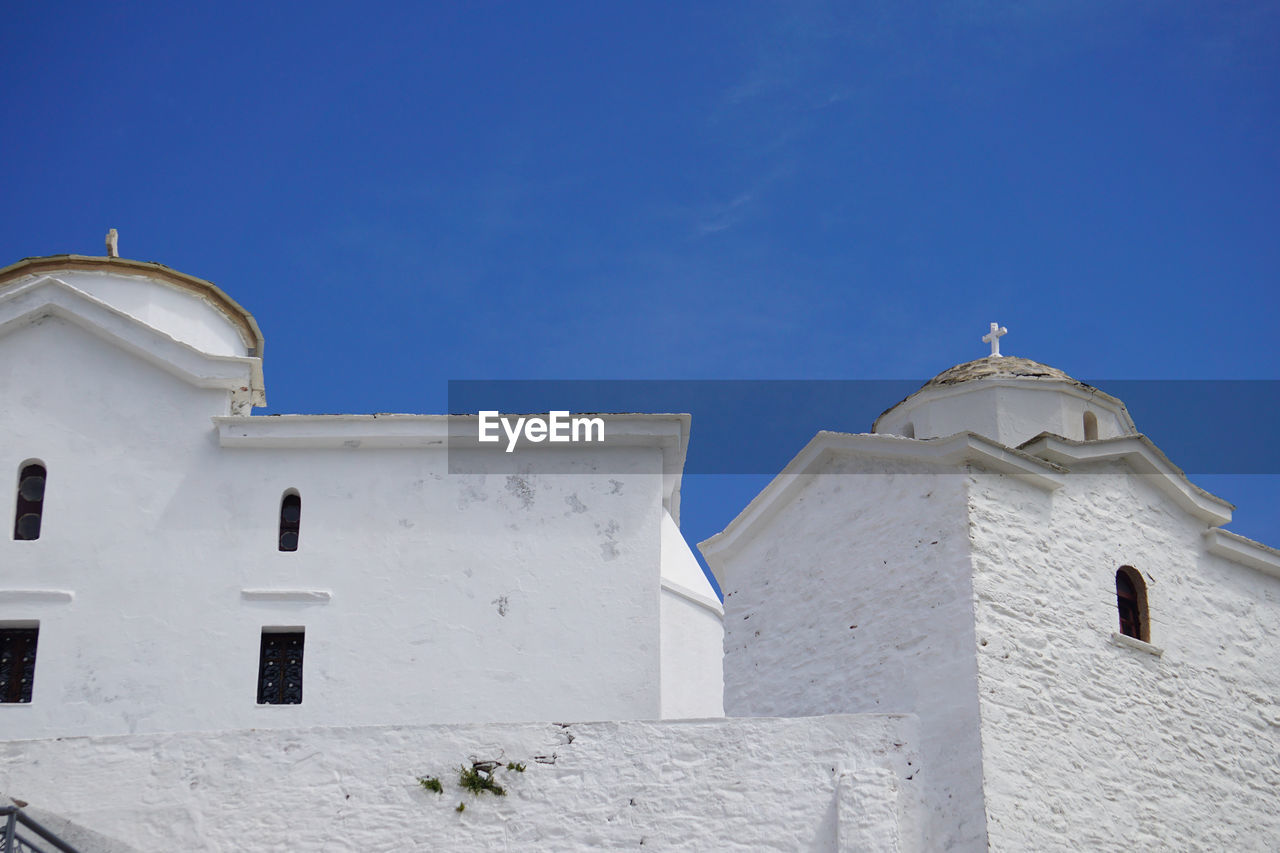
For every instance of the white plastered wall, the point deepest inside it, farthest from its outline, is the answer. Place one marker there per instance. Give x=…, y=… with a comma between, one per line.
x=424, y=596
x=692, y=633
x=1144, y=751
x=177, y=312
x=1007, y=411
x=855, y=597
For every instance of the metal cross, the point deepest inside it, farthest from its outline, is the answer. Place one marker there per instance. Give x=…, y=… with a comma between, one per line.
x=993, y=338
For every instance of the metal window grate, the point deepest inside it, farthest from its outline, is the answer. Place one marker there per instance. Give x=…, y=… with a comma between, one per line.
x=17, y=663
x=280, y=668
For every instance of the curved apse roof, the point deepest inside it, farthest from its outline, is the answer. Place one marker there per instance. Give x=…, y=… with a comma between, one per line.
x=208, y=291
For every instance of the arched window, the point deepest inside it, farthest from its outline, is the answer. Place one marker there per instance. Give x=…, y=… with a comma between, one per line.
x=290, y=519
x=26, y=520
x=908, y=430
x=1131, y=599
x=1090, y=426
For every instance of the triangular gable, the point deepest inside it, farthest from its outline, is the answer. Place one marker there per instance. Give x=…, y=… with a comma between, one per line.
x=50, y=297
x=956, y=450
x=1144, y=458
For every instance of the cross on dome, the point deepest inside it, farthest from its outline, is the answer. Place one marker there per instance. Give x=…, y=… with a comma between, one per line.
x=993, y=338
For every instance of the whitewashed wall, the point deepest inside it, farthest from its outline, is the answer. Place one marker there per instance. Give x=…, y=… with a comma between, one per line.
x=425, y=596
x=177, y=312
x=836, y=784
x=1007, y=411
x=692, y=633
x=1090, y=744
x=855, y=597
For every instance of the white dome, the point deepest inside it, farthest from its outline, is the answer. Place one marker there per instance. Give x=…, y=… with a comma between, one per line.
x=185, y=308
x=1010, y=400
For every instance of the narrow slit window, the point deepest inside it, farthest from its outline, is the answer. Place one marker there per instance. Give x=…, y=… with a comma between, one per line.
x=17, y=664
x=290, y=520
x=26, y=520
x=1090, y=426
x=280, y=667
x=1131, y=600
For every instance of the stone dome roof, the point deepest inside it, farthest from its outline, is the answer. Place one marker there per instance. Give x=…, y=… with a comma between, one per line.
x=999, y=367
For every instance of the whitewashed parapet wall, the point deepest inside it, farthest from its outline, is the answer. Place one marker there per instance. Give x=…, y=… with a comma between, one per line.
x=831, y=785
x=532, y=586
x=1099, y=744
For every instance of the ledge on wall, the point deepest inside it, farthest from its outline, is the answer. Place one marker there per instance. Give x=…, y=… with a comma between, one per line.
x=307, y=596
x=1134, y=643
x=30, y=596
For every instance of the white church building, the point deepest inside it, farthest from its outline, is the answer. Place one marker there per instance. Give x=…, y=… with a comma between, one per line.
x=1002, y=619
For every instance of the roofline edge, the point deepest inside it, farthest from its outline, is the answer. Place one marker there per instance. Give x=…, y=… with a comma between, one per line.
x=250, y=333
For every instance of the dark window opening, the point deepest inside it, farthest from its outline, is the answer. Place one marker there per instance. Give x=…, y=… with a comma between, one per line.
x=908, y=430
x=1131, y=599
x=290, y=520
x=280, y=668
x=17, y=663
x=1090, y=426
x=26, y=521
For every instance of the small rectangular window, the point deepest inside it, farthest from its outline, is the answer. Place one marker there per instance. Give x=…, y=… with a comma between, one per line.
x=17, y=664
x=280, y=667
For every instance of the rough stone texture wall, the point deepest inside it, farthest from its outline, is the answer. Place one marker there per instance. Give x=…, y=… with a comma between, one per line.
x=1094, y=745
x=855, y=597
x=830, y=784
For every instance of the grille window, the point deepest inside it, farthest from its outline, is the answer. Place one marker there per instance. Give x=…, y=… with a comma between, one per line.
x=280, y=668
x=17, y=663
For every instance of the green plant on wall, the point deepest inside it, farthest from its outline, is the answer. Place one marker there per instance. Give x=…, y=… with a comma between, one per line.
x=478, y=778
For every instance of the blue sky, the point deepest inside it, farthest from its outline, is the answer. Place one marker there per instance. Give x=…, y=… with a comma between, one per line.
x=405, y=194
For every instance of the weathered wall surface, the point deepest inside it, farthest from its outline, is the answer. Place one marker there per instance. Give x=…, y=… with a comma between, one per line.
x=448, y=598
x=856, y=598
x=1094, y=745
x=829, y=784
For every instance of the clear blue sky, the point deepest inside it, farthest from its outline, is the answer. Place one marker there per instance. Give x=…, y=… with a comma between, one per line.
x=405, y=194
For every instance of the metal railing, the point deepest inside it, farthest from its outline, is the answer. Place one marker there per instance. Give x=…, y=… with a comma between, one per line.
x=20, y=831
